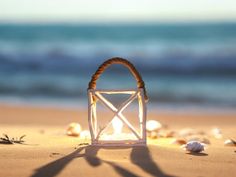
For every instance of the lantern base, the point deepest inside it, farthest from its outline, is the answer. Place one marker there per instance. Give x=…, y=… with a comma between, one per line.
x=119, y=143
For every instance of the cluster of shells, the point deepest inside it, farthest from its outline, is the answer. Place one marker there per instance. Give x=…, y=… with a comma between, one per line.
x=189, y=139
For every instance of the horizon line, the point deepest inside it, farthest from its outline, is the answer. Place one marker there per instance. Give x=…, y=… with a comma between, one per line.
x=117, y=22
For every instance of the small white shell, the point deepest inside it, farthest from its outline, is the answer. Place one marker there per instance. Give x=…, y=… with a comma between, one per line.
x=153, y=125
x=194, y=146
x=73, y=129
x=216, y=132
x=230, y=142
x=85, y=134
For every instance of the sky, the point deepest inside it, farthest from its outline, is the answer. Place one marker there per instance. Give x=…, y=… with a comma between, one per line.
x=117, y=10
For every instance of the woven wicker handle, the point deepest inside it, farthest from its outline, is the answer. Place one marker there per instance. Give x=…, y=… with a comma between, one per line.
x=117, y=60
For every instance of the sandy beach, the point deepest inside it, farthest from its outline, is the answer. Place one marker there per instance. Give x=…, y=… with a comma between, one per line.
x=49, y=152
x=67, y=67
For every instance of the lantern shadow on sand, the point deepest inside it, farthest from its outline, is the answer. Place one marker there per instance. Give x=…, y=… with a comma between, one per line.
x=140, y=156
x=100, y=134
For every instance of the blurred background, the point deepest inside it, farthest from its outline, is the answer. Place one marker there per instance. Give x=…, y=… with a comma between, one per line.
x=185, y=51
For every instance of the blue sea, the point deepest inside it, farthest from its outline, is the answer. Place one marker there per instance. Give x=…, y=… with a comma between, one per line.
x=182, y=64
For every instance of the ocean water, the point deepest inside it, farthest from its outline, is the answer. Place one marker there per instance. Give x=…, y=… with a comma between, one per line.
x=182, y=64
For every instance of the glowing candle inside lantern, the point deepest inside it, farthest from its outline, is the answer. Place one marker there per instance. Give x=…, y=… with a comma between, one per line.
x=117, y=125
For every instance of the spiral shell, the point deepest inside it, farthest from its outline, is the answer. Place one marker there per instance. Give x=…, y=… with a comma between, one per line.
x=194, y=146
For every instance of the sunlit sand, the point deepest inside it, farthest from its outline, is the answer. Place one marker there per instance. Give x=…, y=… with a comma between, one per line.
x=48, y=151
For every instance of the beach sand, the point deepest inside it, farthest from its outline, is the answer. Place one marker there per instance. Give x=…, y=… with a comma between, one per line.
x=50, y=152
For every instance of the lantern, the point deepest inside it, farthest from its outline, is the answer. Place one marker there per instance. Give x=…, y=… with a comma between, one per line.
x=117, y=138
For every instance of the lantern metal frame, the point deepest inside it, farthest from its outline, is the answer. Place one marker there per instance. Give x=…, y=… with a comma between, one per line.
x=95, y=95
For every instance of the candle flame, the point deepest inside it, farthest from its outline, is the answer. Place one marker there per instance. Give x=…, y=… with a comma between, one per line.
x=117, y=125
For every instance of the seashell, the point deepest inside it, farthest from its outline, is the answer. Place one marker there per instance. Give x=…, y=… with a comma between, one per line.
x=230, y=142
x=194, y=146
x=153, y=125
x=216, y=132
x=85, y=134
x=73, y=129
x=178, y=141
